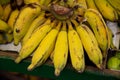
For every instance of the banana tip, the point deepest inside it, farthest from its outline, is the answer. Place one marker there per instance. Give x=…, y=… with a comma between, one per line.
x=18, y=60
x=57, y=72
x=30, y=67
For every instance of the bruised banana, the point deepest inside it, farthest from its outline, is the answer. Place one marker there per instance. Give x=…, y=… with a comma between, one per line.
x=60, y=55
x=44, y=49
x=35, y=38
x=25, y=18
x=92, y=49
x=4, y=27
x=106, y=10
x=76, y=49
x=99, y=28
x=6, y=12
x=91, y=4
x=12, y=18
x=36, y=23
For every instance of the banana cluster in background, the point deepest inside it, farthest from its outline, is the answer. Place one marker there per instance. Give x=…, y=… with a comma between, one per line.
x=58, y=29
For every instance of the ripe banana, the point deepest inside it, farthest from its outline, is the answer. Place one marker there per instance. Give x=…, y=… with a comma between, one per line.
x=106, y=10
x=8, y=37
x=12, y=18
x=60, y=55
x=76, y=49
x=90, y=46
x=44, y=49
x=35, y=38
x=99, y=28
x=6, y=12
x=4, y=27
x=36, y=23
x=91, y=4
x=24, y=20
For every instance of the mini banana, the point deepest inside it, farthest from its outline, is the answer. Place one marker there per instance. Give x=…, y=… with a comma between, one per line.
x=90, y=46
x=25, y=18
x=36, y=23
x=91, y=4
x=44, y=49
x=76, y=49
x=4, y=27
x=6, y=12
x=99, y=28
x=60, y=55
x=12, y=18
x=106, y=10
x=35, y=38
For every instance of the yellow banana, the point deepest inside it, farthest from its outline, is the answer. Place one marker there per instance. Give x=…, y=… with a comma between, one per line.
x=90, y=46
x=44, y=49
x=99, y=28
x=76, y=49
x=1, y=11
x=82, y=3
x=4, y=27
x=110, y=33
x=87, y=29
x=6, y=12
x=35, y=38
x=115, y=4
x=91, y=4
x=36, y=23
x=24, y=20
x=106, y=10
x=60, y=55
x=12, y=18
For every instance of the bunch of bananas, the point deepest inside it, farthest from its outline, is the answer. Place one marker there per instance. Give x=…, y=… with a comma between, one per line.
x=57, y=28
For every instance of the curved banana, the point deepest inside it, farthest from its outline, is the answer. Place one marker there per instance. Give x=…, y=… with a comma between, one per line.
x=24, y=20
x=12, y=18
x=4, y=27
x=60, y=55
x=6, y=12
x=36, y=23
x=35, y=38
x=99, y=28
x=76, y=49
x=92, y=49
x=44, y=49
x=91, y=4
x=106, y=10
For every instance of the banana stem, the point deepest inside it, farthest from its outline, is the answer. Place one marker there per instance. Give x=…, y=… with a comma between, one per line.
x=69, y=25
x=58, y=26
x=64, y=26
x=74, y=22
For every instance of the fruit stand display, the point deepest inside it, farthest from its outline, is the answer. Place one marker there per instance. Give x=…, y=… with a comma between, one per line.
x=61, y=39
